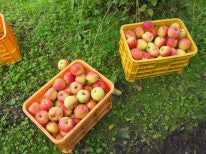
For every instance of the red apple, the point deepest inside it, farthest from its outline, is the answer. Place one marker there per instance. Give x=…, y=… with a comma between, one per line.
x=62, y=95
x=147, y=55
x=42, y=117
x=67, y=112
x=52, y=127
x=45, y=104
x=154, y=52
x=70, y=102
x=154, y=32
x=92, y=77
x=129, y=33
x=51, y=94
x=69, y=78
x=57, y=136
x=132, y=42
x=81, y=111
x=174, y=31
x=173, y=51
x=55, y=113
x=62, y=64
x=148, y=36
x=34, y=108
x=67, y=89
x=62, y=133
x=148, y=25
x=81, y=79
x=66, y=124
x=162, y=31
x=76, y=120
x=59, y=84
x=136, y=54
x=75, y=87
x=159, y=41
x=91, y=104
x=172, y=42
x=83, y=96
x=100, y=84
x=164, y=51
x=139, y=31
x=88, y=88
x=184, y=44
x=77, y=69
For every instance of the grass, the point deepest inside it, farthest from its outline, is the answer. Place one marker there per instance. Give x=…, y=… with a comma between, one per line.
x=50, y=30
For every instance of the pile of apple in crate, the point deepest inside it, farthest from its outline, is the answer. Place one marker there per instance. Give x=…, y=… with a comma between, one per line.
x=68, y=101
x=148, y=41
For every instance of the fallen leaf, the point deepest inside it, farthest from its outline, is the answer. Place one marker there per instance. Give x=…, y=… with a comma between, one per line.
x=139, y=88
x=111, y=127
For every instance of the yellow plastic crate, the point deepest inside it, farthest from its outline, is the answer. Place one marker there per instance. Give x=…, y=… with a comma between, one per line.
x=138, y=69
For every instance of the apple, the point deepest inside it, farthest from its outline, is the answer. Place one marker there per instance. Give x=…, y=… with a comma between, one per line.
x=91, y=104
x=147, y=25
x=52, y=127
x=75, y=87
x=67, y=88
x=180, y=52
x=149, y=46
x=162, y=31
x=42, y=117
x=62, y=64
x=62, y=95
x=66, y=124
x=139, y=31
x=182, y=34
x=59, y=84
x=92, y=77
x=148, y=36
x=159, y=41
x=164, y=51
x=102, y=85
x=77, y=69
x=173, y=51
x=146, y=55
x=81, y=111
x=172, y=42
x=51, y=94
x=88, y=88
x=70, y=102
x=69, y=77
x=136, y=54
x=67, y=112
x=34, y=108
x=55, y=113
x=154, y=32
x=97, y=93
x=174, y=31
x=83, y=96
x=62, y=133
x=57, y=136
x=132, y=42
x=45, y=104
x=175, y=25
x=76, y=120
x=81, y=79
x=141, y=44
x=57, y=103
x=154, y=52
x=184, y=44
x=129, y=33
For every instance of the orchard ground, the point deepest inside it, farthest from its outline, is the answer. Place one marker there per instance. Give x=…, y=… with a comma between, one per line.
x=162, y=114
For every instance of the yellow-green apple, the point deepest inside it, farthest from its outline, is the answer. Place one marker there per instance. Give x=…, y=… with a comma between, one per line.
x=146, y=55
x=34, y=108
x=173, y=51
x=62, y=64
x=154, y=51
x=88, y=88
x=148, y=36
x=164, y=51
x=57, y=103
x=154, y=32
x=80, y=111
x=174, y=31
x=139, y=31
x=182, y=34
x=75, y=87
x=91, y=104
x=175, y=24
x=172, y=42
x=51, y=94
x=159, y=41
x=141, y=44
x=180, y=52
x=136, y=54
x=147, y=25
x=162, y=31
x=62, y=133
x=42, y=117
x=59, y=84
x=66, y=124
x=52, y=127
x=92, y=77
x=184, y=44
x=97, y=93
x=70, y=102
x=81, y=79
x=129, y=33
x=149, y=46
x=132, y=42
x=101, y=84
x=83, y=96
x=45, y=104
x=62, y=95
x=76, y=120
x=69, y=77
x=67, y=112
x=77, y=69
x=55, y=113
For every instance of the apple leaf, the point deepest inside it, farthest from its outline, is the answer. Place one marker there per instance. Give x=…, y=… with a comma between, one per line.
x=143, y=8
x=153, y=2
x=150, y=12
x=111, y=127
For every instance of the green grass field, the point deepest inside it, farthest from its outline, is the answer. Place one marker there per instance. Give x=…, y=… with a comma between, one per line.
x=84, y=29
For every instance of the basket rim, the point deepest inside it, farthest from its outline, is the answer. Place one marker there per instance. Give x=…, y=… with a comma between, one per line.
x=4, y=27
